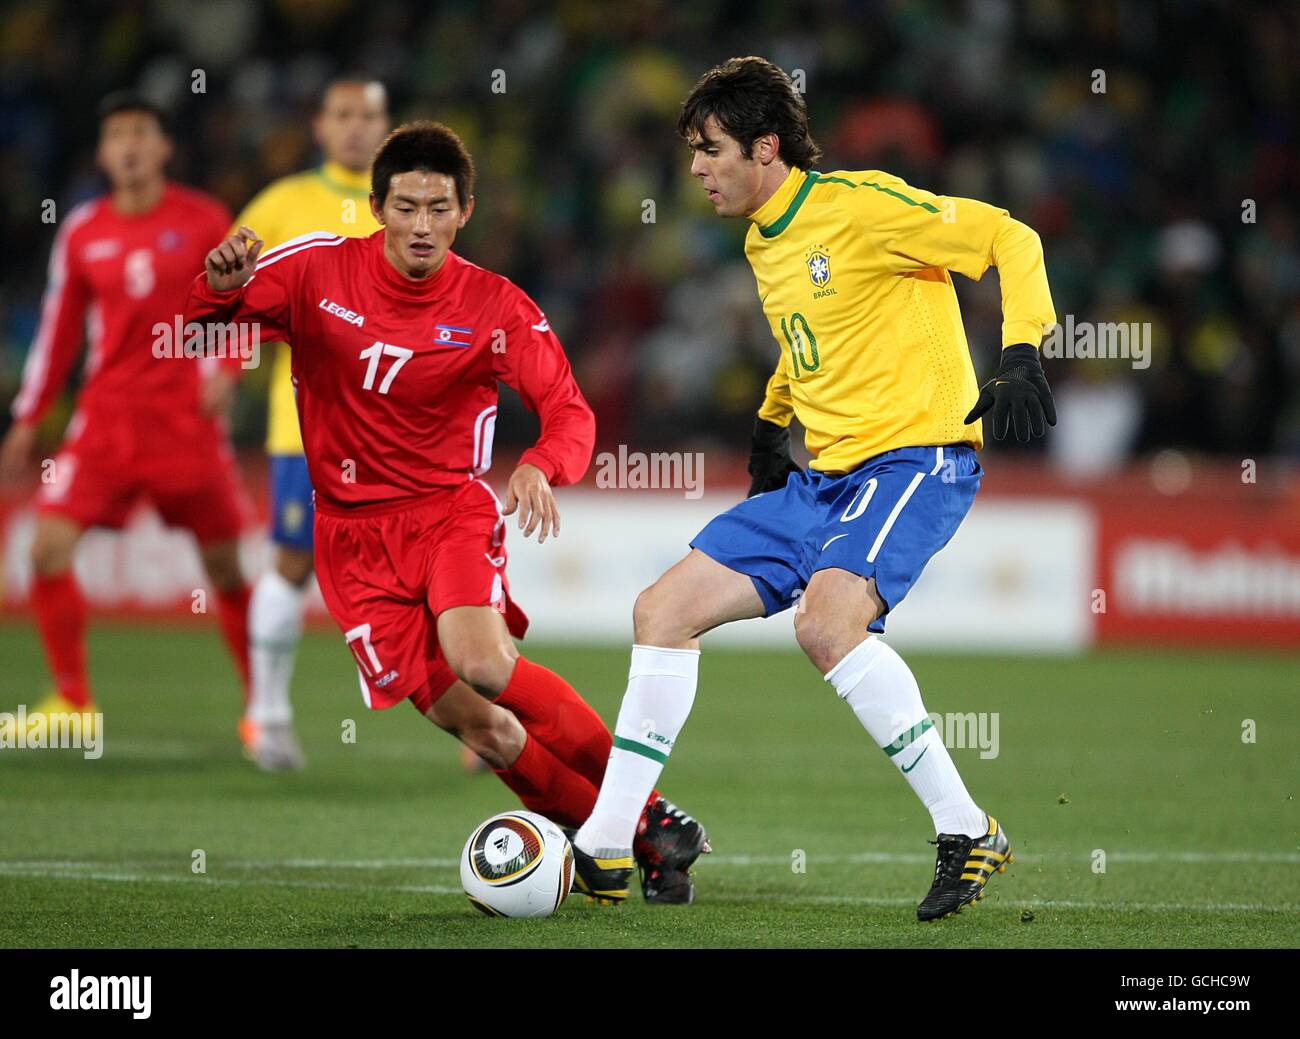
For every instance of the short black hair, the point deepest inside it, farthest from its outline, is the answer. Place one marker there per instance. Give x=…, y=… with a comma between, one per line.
x=428, y=147
x=133, y=101
x=751, y=97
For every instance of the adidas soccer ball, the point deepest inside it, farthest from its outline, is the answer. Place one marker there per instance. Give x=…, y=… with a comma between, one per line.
x=517, y=864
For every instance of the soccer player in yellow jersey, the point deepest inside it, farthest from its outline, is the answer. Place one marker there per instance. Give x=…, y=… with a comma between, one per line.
x=854, y=271
x=349, y=128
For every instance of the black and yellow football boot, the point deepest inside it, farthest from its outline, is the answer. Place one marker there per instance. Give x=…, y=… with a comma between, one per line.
x=963, y=867
x=602, y=877
x=667, y=843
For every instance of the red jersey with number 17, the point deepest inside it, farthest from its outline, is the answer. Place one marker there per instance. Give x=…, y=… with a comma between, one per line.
x=396, y=380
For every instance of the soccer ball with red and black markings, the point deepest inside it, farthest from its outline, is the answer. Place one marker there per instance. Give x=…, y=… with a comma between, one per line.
x=517, y=864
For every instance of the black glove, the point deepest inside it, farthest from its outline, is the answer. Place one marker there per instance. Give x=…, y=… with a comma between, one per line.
x=770, y=463
x=1018, y=395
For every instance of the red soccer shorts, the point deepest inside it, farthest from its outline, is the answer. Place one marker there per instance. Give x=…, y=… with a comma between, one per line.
x=182, y=465
x=386, y=572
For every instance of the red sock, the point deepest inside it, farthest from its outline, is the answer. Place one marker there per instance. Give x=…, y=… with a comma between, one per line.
x=61, y=619
x=232, y=612
x=552, y=711
x=547, y=787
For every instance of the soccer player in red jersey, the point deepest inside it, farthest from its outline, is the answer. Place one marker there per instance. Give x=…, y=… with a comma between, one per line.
x=397, y=347
x=149, y=421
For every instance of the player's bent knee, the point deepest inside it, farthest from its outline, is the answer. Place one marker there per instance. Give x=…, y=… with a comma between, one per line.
x=50, y=560
x=644, y=612
x=487, y=671
x=52, y=551
x=825, y=636
x=810, y=631
x=226, y=579
x=222, y=565
x=294, y=565
x=498, y=740
x=660, y=618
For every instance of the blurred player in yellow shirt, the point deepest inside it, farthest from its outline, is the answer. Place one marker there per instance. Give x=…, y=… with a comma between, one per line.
x=854, y=274
x=349, y=128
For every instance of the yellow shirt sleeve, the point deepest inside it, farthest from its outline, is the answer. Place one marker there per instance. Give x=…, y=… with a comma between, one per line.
x=777, y=406
x=916, y=229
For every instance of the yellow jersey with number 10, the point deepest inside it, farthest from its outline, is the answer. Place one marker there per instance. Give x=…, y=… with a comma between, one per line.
x=853, y=273
x=330, y=198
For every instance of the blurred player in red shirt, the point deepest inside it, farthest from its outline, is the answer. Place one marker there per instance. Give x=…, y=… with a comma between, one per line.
x=397, y=347
x=149, y=422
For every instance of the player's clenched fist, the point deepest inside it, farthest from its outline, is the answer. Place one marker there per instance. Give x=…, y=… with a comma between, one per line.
x=230, y=265
x=1018, y=394
x=530, y=492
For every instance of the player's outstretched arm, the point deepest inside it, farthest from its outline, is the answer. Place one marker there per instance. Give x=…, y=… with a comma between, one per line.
x=227, y=292
x=55, y=347
x=533, y=364
x=231, y=264
x=529, y=493
x=917, y=229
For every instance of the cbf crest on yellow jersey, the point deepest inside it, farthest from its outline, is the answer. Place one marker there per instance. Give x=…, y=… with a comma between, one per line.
x=329, y=198
x=853, y=273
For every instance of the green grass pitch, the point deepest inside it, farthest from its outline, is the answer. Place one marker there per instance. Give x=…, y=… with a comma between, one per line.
x=818, y=841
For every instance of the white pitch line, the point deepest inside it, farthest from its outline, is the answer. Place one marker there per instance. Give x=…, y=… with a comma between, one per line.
x=1033, y=903
x=715, y=859
x=141, y=748
x=173, y=878
x=1022, y=857
x=68, y=866
x=344, y=864
x=1289, y=857
x=789, y=898
x=860, y=858
x=170, y=750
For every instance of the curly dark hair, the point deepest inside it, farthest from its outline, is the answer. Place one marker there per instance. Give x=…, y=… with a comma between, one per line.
x=751, y=97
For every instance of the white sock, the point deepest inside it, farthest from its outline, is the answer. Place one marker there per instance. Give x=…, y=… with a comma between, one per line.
x=274, y=630
x=660, y=691
x=883, y=693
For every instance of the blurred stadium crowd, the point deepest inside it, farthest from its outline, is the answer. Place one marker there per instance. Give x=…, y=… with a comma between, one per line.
x=1139, y=192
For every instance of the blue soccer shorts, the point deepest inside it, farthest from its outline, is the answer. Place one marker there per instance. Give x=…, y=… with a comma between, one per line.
x=883, y=520
x=292, y=512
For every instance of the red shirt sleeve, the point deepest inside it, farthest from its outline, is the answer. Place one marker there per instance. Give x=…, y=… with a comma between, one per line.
x=531, y=361
x=59, y=333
